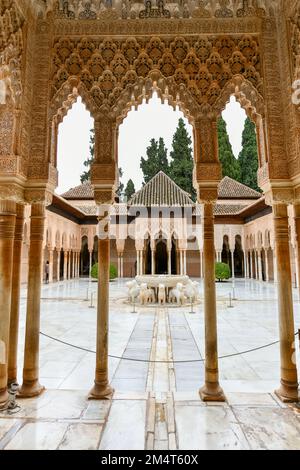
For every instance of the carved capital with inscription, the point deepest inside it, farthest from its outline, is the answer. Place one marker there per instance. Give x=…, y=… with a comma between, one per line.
x=280, y=195
x=38, y=196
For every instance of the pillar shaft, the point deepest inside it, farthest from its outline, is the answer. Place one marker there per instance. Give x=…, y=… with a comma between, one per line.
x=31, y=386
x=101, y=387
x=211, y=390
x=232, y=264
x=58, y=265
x=288, y=390
x=51, y=265
x=15, y=296
x=169, y=262
x=7, y=230
x=267, y=268
x=152, y=261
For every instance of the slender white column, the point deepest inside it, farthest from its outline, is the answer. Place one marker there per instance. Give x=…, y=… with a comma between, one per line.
x=137, y=262
x=169, y=262
x=259, y=261
x=90, y=264
x=267, y=265
x=255, y=263
x=122, y=265
x=50, y=265
x=58, y=266
x=201, y=264
x=184, y=262
x=245, y=265
x=152, y=261
x=232, y=264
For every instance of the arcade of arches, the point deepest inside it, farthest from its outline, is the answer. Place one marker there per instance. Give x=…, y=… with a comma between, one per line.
x=114, y=56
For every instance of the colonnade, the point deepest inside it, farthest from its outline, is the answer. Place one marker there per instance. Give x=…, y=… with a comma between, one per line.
x=69, y=259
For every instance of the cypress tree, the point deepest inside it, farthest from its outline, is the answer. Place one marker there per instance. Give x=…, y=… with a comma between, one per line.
x=230, y=165
x=129, y=190
x=248, y=157
x=182, y=164
x=157, y=159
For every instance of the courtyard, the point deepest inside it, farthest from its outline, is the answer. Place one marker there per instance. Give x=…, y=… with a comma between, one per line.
x=156, y=387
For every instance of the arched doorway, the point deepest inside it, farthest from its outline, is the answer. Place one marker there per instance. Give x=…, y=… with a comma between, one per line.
x=226, y=258
x=161, y=258
x=84, y=257
x=238, y=257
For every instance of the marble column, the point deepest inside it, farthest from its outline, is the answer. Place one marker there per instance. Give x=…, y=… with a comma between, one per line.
x=102, y=389
x=58, y=265
x=245, y=265
x=232, y=265
x=137, y=262
x=142, y=261
x=65, y=265
x=122, y=265
x=153, y=261
x=201, y=265
x=31, y=386
x=259, y=264
x=69, y=265
x=50, y=265
x=267, y=265
x=184, y=262
x=91, y=263
x=7, y=231
x=211, y=390
x=15, y=296
x=288, y=390
x=256, y=265
x=169, y=262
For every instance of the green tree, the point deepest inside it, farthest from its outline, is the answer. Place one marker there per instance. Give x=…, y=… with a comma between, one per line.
x=222, y=271
x=157, y=159
x=86, y=175
x=182, y=164
x=230, y=165
x=129, y=190
x=248, y=157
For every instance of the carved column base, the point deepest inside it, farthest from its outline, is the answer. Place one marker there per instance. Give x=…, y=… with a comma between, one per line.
x=212, y=392
x=101, y=392
x=31, y=389
x=288, y=392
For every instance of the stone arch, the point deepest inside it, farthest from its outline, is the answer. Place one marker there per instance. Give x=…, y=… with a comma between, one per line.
x=120, y=73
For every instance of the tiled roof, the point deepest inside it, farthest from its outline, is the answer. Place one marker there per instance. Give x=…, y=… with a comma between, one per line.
x=229, y=209
x=83, y=191
x=231, y=189
x=161, y=191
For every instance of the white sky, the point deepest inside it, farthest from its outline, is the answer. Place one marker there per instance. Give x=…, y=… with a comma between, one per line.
x=151, y=120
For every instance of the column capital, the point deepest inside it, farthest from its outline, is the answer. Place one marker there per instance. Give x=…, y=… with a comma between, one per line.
x=11, y=191
x=280, y=195
x=38, y=196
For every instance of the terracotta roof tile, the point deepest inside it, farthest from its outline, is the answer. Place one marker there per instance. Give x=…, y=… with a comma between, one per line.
x=161, y=191
x=229, y=209
x=231, y=189
x=83, y=191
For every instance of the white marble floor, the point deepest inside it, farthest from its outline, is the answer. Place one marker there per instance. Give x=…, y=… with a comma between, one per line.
x=157, y=401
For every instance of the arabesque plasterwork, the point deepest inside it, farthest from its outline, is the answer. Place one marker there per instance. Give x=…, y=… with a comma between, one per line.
x=114, y=54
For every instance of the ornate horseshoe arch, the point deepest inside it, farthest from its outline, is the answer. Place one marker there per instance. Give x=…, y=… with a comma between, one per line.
x=189, y=71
